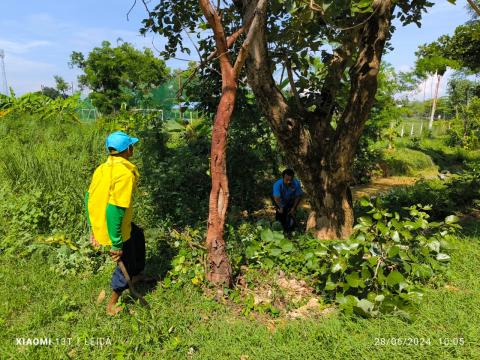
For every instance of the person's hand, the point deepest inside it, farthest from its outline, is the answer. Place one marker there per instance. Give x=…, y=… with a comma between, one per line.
x=93, y=241
x=116, y=255
x=280, y=210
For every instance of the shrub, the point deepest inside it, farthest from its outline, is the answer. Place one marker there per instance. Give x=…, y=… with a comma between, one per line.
x=45, y=170
x=457, y=193
x=380, y=269
x=407, y=162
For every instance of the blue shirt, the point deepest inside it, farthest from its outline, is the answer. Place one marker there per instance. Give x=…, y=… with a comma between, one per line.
x=287, y=194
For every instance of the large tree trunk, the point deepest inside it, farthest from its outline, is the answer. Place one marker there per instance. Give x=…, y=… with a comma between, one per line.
x=220, y=271
x=330, y=195
x=321, y=154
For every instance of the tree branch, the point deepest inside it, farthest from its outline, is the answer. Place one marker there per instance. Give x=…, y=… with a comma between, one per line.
x=129, y=11
x=252, y=26
x=212, y=56
x=333, y=80
x=288, y=66
x=363, y=79
x=219, y=33
x=474, y=6
x=285, y=123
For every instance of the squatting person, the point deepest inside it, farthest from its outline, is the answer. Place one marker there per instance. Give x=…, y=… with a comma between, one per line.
x=287, y=193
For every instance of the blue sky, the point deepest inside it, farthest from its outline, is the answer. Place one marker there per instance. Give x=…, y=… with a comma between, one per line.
x=38, y=36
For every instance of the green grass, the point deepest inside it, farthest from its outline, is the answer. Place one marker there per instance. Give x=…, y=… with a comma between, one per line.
x=404, y=161
x=37, y=303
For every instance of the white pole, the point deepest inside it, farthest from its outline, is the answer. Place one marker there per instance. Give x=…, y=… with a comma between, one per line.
x=4, y=74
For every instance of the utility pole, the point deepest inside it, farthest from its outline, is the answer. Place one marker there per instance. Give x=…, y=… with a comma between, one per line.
x=3, y=74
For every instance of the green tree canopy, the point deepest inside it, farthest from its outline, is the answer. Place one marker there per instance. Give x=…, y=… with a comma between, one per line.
x=60, y=84
x=318, y=119
x=461, y=90
x=114, y=74
x=433, y=58
x=464, y=46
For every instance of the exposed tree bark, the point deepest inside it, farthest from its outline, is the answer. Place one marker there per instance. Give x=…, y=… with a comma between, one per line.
x=474, y=6
x=219, y=271
x=321, y=154
x=434, y=102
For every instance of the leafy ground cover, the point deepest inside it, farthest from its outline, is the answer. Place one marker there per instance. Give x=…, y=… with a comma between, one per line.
x=51, y=280
x=183, y=323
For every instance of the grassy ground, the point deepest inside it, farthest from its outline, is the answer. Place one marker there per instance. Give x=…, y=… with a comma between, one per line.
x=37, y=303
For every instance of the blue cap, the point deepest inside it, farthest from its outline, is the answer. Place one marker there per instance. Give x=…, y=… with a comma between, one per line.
x=119, y=141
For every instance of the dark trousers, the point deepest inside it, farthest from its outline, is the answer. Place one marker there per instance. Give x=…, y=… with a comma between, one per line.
x=288, y=221
x=133, y=257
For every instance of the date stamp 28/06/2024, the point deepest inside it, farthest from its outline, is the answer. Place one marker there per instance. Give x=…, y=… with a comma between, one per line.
x=418, y=341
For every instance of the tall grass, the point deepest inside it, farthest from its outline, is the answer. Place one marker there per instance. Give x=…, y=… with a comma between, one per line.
x=45, y=168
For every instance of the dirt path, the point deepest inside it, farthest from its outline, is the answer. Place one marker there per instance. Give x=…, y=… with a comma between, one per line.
x=380, y=186
x=376, y=186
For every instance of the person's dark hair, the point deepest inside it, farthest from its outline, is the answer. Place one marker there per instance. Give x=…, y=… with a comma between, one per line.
x=288, y=172
x=114, y=151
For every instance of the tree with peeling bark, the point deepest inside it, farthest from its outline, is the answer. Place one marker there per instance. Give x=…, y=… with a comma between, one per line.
x=318, y=120
x=169, y=17
x=318, y=124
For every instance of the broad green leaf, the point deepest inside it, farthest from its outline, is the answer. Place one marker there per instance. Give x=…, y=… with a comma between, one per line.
x=268, y=263
x=395, y=278
x=393, y=251
x=364, y=202
x=308, y=255
x=434, y=245
x=373, y=260
x=275, y=252
x=365, y=220
x=395, y=236
x=286, y=245
x=267, y=235
x=451, y=219
x=330, y=286
x=383, y=229
x=443, y=257
x=365, y=306
x=250, y=251
x=339, y=265
x=278, y=235
x=402, y=285
x=353, y=279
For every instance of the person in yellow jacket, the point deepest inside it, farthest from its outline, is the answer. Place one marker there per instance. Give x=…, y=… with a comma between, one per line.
x=109, y=213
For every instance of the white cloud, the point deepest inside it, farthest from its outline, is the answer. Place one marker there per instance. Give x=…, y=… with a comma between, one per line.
x=88, y=38
x=25, y=75
x=426, y=89
x=18, y=47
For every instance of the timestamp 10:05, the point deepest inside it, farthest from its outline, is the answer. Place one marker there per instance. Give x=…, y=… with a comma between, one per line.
x=418, y=341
